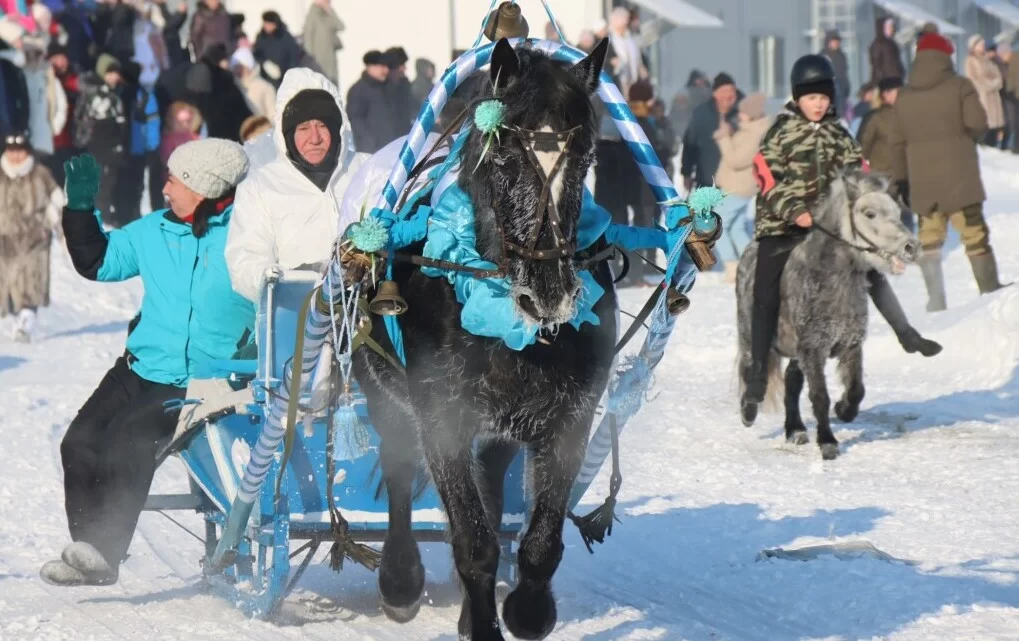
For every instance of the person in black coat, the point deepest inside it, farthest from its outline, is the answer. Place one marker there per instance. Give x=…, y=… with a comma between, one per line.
x=398, y=88
x=369, y=108
x=211, y=87
x=174, y=22
x=276, y=50
x=833, y=51
x=701, y=155
x=14, y=103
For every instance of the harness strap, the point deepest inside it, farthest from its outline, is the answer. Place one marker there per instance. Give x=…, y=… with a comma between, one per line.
x=638, y=320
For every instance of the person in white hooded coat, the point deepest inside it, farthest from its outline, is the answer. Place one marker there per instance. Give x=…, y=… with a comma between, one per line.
x=287, y=210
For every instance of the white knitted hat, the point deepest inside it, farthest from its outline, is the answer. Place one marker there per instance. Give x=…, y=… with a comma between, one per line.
x=209, y=167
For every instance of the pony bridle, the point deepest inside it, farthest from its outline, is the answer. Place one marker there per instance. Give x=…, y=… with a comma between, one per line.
x=534, y=142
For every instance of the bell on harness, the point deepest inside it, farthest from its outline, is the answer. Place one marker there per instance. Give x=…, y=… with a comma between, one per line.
x=388, y=301
x=506, y=21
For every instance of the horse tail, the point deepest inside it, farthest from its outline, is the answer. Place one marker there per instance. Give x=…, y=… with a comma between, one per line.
x=776, y=384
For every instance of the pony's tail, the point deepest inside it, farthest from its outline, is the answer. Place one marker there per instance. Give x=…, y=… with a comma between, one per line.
x=773, y=398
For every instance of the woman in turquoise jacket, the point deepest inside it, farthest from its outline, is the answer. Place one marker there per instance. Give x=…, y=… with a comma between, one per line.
x=189, y=314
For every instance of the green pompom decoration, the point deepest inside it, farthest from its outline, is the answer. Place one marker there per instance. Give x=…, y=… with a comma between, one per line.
x=369, y=235
x=490, y=116
x=704, y=200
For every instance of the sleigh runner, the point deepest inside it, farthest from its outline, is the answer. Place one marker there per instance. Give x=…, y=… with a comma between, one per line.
x=278, y=450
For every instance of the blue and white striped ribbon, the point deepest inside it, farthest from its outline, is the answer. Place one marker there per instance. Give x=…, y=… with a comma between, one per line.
x=655, y=175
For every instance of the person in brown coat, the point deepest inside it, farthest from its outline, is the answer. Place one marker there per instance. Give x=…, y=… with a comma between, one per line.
x=211, y=26
x=885, y=56
x=883, y=146
x=30, y=203
x=1012, y=90
x=941, y=119
x=984, y=75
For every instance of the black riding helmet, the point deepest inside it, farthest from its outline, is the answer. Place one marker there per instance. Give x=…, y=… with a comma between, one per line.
x=813, y=73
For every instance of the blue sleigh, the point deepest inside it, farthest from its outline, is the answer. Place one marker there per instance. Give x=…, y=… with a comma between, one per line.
x=231, y=438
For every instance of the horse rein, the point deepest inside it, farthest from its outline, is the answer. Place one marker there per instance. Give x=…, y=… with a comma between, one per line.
x=871, y=249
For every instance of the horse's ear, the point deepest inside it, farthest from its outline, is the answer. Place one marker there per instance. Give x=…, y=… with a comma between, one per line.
x=588, y=70
x=505, y=64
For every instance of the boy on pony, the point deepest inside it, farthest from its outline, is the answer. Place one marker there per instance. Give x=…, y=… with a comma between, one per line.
x=800, y=156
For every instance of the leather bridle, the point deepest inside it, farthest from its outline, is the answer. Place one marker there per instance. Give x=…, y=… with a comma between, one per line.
x=534, y=142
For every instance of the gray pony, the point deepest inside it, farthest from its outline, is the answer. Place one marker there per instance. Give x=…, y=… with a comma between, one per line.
x=823, y=315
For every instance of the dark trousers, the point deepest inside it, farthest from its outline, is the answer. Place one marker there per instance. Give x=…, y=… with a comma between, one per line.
x=772, y=255
x=109, y=458
x=131, y=187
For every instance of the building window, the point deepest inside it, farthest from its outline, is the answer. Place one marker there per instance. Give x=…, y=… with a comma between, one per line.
x=767, y=65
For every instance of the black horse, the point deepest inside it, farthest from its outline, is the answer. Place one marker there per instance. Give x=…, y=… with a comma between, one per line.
x=459, y=388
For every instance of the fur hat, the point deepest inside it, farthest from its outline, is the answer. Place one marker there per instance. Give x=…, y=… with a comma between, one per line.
x=721, y=80
x=254, y=126
x=753, y=106
x=312, y=104
x=395, y=57
x=10, y=30
x=935, y=42
x=273, y=17
x=209, y=167
x=373, y=57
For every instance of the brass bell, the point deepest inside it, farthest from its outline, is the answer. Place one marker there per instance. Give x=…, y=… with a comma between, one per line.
x=675, y=302
x=506, y=21
x=387, y=301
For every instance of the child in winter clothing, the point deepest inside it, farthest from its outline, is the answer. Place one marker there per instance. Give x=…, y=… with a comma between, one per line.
x=183, y=124
x=799, y=158
x=101, y=127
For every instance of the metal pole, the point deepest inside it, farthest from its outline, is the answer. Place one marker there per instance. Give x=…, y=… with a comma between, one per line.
x=452, y=29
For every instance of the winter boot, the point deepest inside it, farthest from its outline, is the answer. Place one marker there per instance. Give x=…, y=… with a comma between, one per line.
x=933, y=277
x=985, y=271
x=62, y=574
x=23, y=326
x=887, y=303
x=84, y=558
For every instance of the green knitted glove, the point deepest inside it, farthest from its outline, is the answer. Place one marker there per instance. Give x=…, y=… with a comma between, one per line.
x=82, y=183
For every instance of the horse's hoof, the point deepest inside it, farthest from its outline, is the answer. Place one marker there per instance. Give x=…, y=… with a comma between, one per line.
x=845, y=412
x=798, y=437
x=401, y=614
x=401, y=580
x=530, y=614
x=748, y=413
x=829, y=451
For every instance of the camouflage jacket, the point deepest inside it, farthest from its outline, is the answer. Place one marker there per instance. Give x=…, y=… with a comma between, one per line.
x=797, y=161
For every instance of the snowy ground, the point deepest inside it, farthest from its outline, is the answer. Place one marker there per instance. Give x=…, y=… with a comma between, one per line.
x=928, y=476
